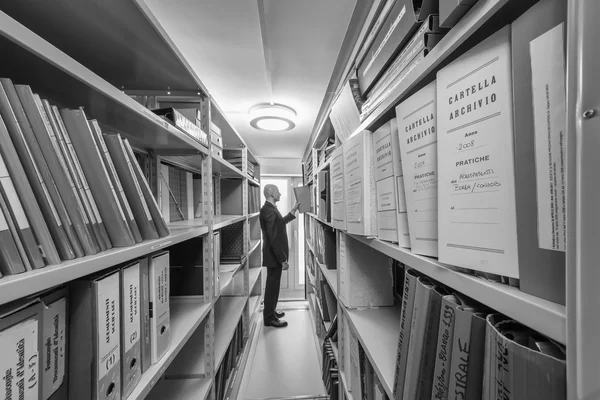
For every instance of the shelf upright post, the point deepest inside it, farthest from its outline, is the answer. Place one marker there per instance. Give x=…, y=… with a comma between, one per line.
x=246, y=241
x=208, y=241
x=583, y=196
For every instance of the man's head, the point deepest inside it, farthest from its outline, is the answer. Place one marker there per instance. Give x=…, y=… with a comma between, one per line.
x=271, y=193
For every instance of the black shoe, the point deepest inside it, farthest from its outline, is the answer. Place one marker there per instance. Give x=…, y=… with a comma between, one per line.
x=279, y=314
x=276, y=323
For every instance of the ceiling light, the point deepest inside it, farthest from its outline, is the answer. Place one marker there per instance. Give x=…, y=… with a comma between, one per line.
x=272, y=117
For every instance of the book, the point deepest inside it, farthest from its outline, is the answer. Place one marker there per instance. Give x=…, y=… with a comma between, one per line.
x=146, y=346
x=37, y=239
x=20, y=346
x=10, y=258
x=418, y=381
x=39, y=138
x=157, y=217
x=159, y=304
x=364, y=274
x=60, y=136
x=131, y=320
x=302, y=194
x=114, y=177
x=359, y=182
x=128, y=178
x=477, y=226
x=451, y=11
x=13, y=230
x=392, y=219
x=95, y=331
x=541, y=218
x=417, y=133
x=396, y=31
x=468, y=346
x=443, y=359
x=38, y=175
x=344, y=117
x=55, y=344
x=382, y=14
x=94, y=168
x=408, y=300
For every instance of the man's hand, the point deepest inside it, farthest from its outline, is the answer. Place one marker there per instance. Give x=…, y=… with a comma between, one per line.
x=295, y=208
x=285, y=266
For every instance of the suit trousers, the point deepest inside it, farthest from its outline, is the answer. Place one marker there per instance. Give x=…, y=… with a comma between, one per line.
x=272, y=292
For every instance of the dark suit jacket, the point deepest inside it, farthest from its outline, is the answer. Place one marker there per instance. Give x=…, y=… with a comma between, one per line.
x=275, y=241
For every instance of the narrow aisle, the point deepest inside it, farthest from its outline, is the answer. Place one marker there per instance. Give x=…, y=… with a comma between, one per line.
x=284, y=362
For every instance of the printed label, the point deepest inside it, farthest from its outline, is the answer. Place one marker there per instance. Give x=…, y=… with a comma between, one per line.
x=131, y=306
x=19, y=361
x=54, y=345
x=108, y=324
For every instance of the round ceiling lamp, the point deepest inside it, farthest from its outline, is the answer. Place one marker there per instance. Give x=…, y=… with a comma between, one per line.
x=272, y=117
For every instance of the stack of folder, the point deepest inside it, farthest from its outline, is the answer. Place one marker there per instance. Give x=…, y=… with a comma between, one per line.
x=230, y=362
x=63, y=195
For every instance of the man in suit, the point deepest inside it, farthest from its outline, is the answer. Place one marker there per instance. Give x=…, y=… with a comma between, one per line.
x=275, y=252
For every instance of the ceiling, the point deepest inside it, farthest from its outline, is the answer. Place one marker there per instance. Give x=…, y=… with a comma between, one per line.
x=255, y=51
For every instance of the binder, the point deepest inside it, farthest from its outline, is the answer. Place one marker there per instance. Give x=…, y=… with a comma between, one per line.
x=59, y=134
x=131, y=186
x=20, y=346
x=338, y=194
x=38, y=175
x=359, y=182
x=395, y=32
x=521, y=364
x=468, y=347
x=131, y=328
x=160, y=319
x=408, y=301
x=95, y=333
x=55, y=344
x=302, y=194
x=146, y=347
x=40, y=234
x=445, y=342
x=41, y=140
x=157, y=217
x=423, y=339
x=103, y=190
x=114, y=177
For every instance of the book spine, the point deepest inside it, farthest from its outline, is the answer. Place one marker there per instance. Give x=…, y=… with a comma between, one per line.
x=77, y=125
x=374, y=31
x=13, y=230
x=114, y=177
x=445, y=342
x=157, y=217
x=45, y=250
x=159, y=305
x=64, y=184
x=70, y=163
x=146, y=348
x=131, y=371
x=38, y=174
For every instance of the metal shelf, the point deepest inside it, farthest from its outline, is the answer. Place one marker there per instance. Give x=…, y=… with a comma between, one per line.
x=320, y=220
x=49, y=71
x=228, y=311
x=226, y=274
x=541, y=315
x=224, y=169
x=254, y=215
x=182, y=389
x=331, y=276
x=14, y=287
x=221, y=221
x=253, y=181
x=186, y=317
x=254, y=274
x=378, y=330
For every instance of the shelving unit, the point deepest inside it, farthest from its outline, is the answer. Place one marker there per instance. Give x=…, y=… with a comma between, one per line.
x=58, y=46
x=573, y=325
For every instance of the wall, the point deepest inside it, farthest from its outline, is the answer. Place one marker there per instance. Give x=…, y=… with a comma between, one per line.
x=280, y=166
